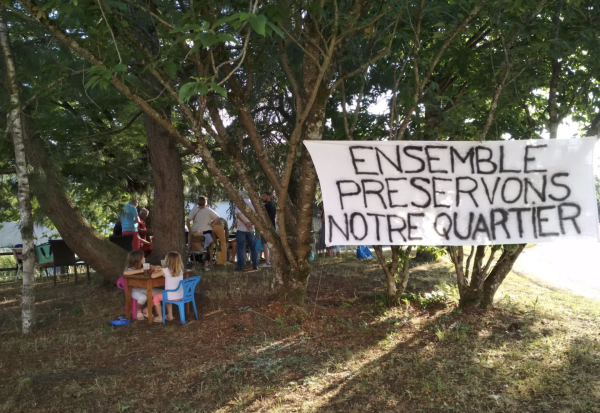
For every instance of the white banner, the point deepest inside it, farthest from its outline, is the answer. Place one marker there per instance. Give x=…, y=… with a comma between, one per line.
x=456, y=193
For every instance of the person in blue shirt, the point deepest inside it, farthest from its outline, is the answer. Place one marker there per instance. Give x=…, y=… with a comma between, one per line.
x=130, y=220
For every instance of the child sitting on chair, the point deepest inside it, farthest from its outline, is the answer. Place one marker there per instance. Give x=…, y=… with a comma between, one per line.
x=173, y=271
x=135, y=265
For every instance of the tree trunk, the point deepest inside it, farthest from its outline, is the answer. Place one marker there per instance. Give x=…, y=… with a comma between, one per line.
x=307, y=179
x=168, y=217
x=481, y=290
x=498, y=274
x=471, y=295
x=295, y=289
x=388, y=271
x=553, y=129
x=103, y=256
x=404, y=276
x=16, y=131
x=395, y=289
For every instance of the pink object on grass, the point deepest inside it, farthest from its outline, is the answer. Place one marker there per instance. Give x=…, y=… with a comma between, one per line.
x=121, y=286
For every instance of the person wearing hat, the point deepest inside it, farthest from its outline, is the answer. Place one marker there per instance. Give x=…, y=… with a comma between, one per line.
x=245, y=234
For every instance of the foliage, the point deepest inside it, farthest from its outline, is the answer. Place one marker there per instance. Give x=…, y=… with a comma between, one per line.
x=246, y=85
x=428, y=299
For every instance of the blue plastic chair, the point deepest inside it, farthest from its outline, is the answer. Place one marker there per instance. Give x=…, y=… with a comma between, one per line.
x=188, y=286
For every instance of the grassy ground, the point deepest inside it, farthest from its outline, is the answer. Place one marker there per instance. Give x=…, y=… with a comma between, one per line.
x=538, y=351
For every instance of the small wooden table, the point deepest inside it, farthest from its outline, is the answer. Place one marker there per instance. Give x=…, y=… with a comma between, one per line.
x=138, y=280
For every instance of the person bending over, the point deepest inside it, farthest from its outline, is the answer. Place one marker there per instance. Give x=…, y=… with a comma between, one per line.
x=200, y=221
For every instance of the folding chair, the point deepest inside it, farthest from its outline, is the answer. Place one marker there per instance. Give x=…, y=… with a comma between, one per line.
x=44, y=257
x=64, y=257
x=193, y=251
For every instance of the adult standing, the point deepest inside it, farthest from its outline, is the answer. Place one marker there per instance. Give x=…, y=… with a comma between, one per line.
x=144, y=232
x=130, y=221
x=243, y=235
x=271, y=211
x=203, y=219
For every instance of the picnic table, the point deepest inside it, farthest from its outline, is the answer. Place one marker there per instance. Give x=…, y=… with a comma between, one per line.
x=139, y=280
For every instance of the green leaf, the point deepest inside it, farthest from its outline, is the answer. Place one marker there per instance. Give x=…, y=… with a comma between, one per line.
x=236, y=24
x=170, y=68
x=226, y=38
x=226, y=19
x=119, y=68
x=317, y=9
x=104, y=84
x=202, y=90
x=218, y=89
x=278, y=14
x=195, y=47
x=276, y=30
x=244, y=16
x=186, y=91
x=207, y=39
x=150, y=66
x=184, y=37
x=258, y=23
x=97, y=70
x=93, y=81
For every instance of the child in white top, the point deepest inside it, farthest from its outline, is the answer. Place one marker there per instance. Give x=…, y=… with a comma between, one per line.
x=135, y=265
x=173, y=265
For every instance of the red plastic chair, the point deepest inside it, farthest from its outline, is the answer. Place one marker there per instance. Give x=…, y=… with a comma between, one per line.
x=121, y=286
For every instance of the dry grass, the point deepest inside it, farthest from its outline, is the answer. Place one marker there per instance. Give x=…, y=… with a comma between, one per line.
x=538, y=351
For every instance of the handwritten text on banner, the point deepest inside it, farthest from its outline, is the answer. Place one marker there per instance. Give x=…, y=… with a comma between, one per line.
x=456, y=193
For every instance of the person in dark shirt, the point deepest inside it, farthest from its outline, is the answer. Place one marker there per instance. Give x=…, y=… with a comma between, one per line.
x=118, y=229
x=270, y=207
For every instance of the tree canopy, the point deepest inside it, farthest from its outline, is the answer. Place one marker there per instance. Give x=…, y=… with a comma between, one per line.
x=238, y=86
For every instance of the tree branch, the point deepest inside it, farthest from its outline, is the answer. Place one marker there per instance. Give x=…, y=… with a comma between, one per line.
x=434, y=62
x=116, y=131
x=51, y=85
x=292, y=79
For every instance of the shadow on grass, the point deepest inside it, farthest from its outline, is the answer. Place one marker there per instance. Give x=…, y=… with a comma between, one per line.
x=346, y=357
x=458, y=365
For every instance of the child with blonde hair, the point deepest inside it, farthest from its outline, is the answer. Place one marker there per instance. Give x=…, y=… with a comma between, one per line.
x=173, y=272
x=135, y=265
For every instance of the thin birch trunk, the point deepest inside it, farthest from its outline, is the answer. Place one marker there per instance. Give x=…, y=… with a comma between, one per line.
x=16, y=131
